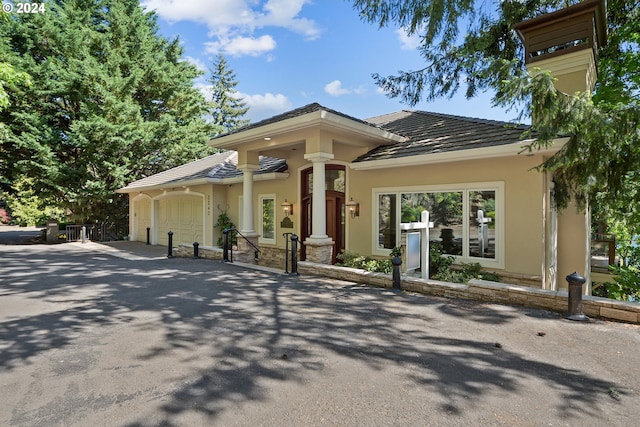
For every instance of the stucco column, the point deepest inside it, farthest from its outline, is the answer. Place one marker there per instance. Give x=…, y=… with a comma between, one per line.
x=319, y=202
x=246, y=250
x=247, y=198
x=319, y=245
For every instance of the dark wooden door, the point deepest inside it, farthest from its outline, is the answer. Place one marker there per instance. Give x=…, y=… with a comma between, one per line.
x=335, y=211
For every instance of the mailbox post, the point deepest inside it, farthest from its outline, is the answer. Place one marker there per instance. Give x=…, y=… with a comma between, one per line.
x=53, y=229
x=421, y=248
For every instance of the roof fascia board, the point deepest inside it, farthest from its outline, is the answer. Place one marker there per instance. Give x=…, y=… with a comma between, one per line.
x=460, y=155
x=316, y=118
x=204, y=181
x=260, y=177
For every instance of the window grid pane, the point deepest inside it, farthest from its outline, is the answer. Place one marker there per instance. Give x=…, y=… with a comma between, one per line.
x=387, y=221
x=268, y=219
x=482, y=224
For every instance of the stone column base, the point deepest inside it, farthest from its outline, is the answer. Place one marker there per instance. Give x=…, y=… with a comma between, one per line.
x=246, y=252
x=319, y=250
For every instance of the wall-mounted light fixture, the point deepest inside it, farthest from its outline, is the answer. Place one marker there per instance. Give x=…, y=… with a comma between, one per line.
x=353, y=207
x=287, y=207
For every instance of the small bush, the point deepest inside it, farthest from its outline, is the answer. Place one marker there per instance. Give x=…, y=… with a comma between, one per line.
x=438, y=261
x=354, y=260
x=222, y=224
x=466, y=272
x=626, y=285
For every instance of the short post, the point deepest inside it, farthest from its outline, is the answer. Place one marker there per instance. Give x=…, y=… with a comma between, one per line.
x=575, y=296
x=294, y=254
x=286, y=251
x=83, y=231
x=196, y=255
x=148, y=234
x=225, y=244
x=170, y=249
x=396, y=262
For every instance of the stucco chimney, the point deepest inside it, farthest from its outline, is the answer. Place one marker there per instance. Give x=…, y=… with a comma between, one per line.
x=566, y=43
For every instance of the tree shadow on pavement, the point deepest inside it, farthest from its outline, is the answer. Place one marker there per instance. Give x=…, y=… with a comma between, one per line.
x=259, y=326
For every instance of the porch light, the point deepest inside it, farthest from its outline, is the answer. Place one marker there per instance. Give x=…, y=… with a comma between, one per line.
x=287, y=207
x=354, y=208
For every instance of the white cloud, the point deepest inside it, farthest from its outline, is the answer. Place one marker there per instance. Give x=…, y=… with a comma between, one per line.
x=335, y=88
x=407, y=42
x=283, y=13
x=197, y=62
x=214, y=13
x=260, y=106
x=205, y=89
x=241, y=46
x=265, y=106
x=232, y=23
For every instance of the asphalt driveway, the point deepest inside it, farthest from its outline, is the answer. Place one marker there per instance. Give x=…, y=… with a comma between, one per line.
x=100, y=336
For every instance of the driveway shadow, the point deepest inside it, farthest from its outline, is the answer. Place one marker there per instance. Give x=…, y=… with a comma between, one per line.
x=260, y=326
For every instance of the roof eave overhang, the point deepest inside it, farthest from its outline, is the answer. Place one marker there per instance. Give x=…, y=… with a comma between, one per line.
x=321, y=118
x=202, y=181
x=508, y=150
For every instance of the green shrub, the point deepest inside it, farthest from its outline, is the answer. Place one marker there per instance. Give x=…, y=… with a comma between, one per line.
x=625, y=286
x=438, y=260
x=222, y=224
x=442, y=264
x=466, y=272
x=354, y=260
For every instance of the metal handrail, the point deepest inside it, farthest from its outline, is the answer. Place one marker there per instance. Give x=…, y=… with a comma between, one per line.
x=225, y=248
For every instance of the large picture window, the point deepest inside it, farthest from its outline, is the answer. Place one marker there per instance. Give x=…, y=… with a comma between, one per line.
x=467, y=219
x=268, y=218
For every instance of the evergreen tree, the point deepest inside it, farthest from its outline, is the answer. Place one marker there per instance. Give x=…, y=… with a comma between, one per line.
x=225, y=106
x=473, y=44
x=111, y=101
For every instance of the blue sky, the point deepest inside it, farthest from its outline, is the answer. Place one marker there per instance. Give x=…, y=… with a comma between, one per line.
x=289, y=53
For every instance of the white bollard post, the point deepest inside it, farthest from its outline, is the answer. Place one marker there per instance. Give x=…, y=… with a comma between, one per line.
x=84, y=234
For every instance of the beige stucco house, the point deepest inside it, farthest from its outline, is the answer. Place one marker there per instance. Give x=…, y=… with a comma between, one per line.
x=348, y=184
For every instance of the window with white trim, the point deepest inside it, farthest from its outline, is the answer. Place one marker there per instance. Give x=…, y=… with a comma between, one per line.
x=267, y=218
x=468, y=219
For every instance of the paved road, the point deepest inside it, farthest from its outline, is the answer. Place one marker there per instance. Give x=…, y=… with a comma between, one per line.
x=14, y=235
x=92, y=339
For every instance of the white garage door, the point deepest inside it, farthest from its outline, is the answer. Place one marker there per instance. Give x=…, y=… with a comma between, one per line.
x=183, y=216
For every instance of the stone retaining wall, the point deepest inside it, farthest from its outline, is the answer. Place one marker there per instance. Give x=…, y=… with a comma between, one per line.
x=483, y=290
x=208, y=252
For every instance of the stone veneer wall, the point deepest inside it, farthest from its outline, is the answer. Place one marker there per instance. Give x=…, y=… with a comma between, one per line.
x=483, y=290
x=269, y=256
x=208, y=252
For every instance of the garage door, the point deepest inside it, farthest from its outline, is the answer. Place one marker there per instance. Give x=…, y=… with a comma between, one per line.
x=142, y=218
x=183, y=216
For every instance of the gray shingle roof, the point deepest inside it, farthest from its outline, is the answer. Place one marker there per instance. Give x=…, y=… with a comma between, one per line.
x=309, y=108
x=209, y=169
x=426, y=133
x=430, y=133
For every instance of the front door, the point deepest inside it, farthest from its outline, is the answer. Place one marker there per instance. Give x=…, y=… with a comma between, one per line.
x=335, y=207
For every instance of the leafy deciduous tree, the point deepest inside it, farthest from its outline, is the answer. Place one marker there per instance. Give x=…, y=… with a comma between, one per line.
x=473, y=44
